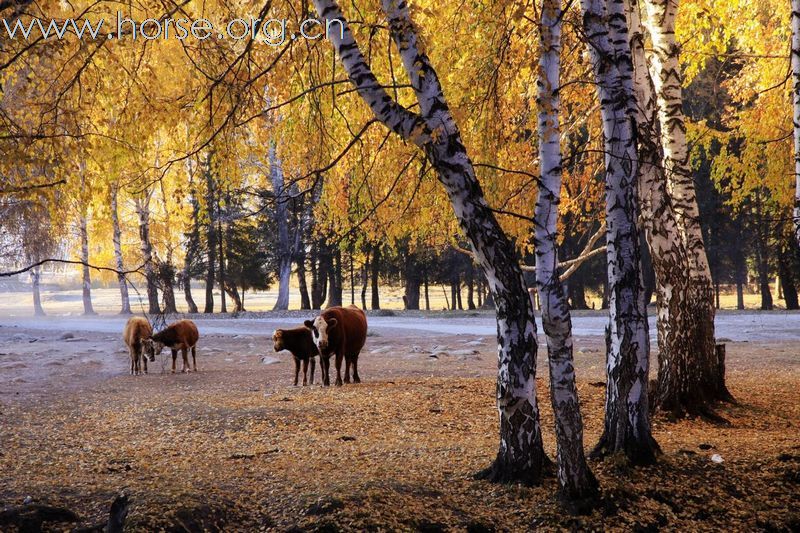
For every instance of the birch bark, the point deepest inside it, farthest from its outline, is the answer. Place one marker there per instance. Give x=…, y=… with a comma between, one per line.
x=578, y=485
x=117, y=238
x=680, y=387
x=282, y=225
x=796, y=113
x=689, y=382
x=211, y=233
x=143, y=211
x=84, y=231
x=36, y=275
x=627, y=422
x=520, y=456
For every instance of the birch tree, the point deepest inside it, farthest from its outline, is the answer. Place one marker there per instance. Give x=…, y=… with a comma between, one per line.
x=211, y=232
x=796, y=111
x=142, y=204
x=680, y=387
x=117, y=240
x=83, y=228
x=520, y=456
x=688, y=383
x=282, y=226
x=627, y=421
x=575, y=479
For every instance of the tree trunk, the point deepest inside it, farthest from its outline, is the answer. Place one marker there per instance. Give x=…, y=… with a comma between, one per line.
x=741, y=276
x=578, y=485
x=453, y=292
x=627, y=419
x=796, y=113
x=191, y=251
x=335, y=280
x=787, y=277
x=143, y=210
x=284, y=251
x=36, y=274
x=427, y=295
x=352, y=278
x=576, y=288
x=365, y=279
x=412, y=280
x=166, y=270
x=223, y=306
x=470, y=287
x=166, y=275
x=117, y=239
x=87, y=279
x=319, y=274
x=699, y=306
x=375, y=300
x=520, y=456
x=211, y=236
x=687, y=373
x=739, y=294
x=762, y=265
x=238, y=301
x=762, y=254
x=186, y=281
x=480, y=293
x=305, y=301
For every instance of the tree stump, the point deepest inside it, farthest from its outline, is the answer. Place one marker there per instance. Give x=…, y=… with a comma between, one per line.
x=724, y=394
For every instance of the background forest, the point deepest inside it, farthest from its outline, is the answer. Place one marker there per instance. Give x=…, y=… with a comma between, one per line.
x=244, y=166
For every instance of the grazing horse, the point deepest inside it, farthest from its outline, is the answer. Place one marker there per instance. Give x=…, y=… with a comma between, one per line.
x=136, y=333
x=181, y=335
x=341, y=331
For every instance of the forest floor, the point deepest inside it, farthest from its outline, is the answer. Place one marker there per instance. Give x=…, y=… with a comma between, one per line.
x=235, y=447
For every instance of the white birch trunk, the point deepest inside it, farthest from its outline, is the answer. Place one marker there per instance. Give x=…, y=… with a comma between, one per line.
x=578, y=485
x=36, y=275
x=165, y=268
x=674, y=323
x=667, y=79
x=627, y=422
x=281, y=223
x=117, y=238
x=84, y=231
x=678, y=391
x=796, y=111
x=143, y=210
x=521, y=456
x=87, y=278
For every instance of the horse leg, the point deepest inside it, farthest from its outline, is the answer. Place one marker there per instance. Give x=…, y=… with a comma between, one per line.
x=174, y=358
x=313, y=365
x=185, y=355
x=194, y=358
x=305, y=372
x=296, y=370
x=346, y=369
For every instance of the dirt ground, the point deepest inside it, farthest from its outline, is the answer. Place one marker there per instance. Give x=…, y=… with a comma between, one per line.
x=236, y=447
